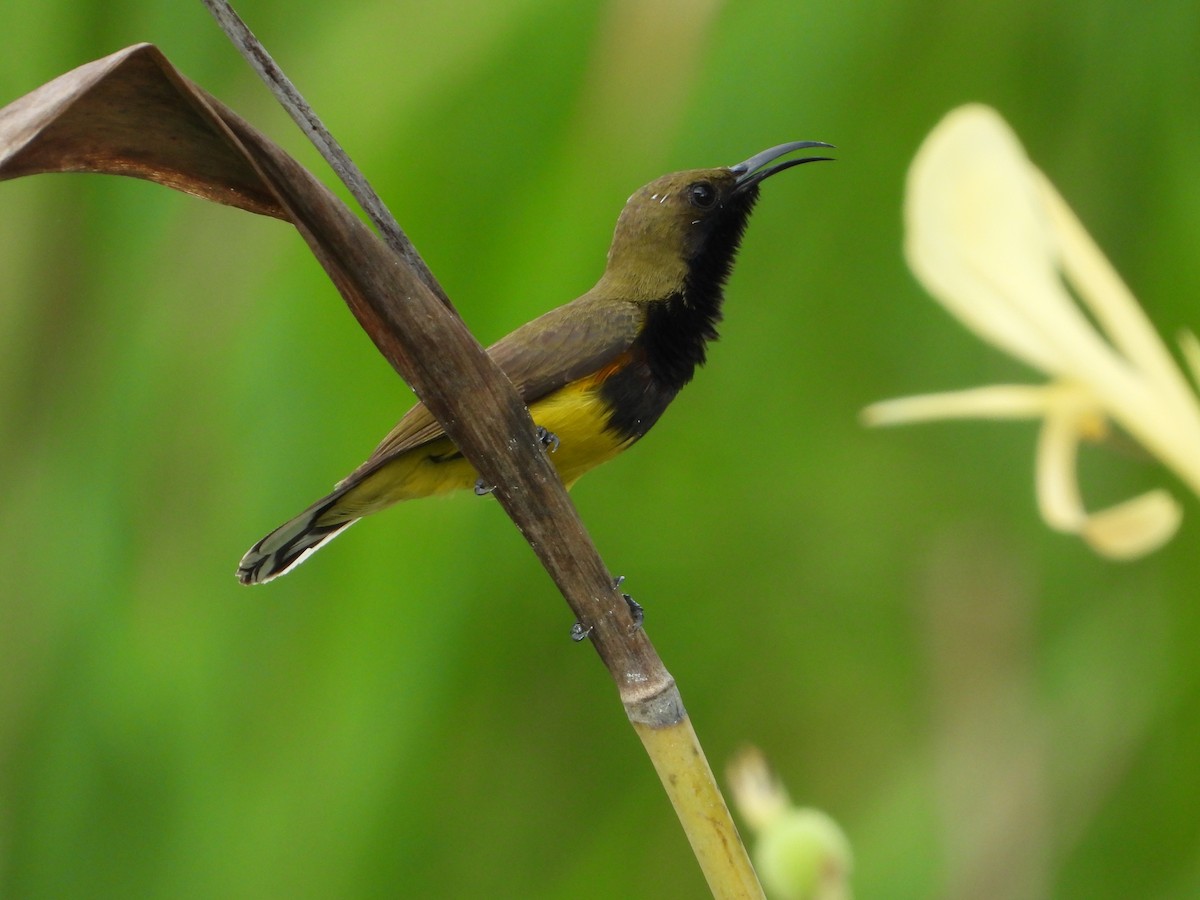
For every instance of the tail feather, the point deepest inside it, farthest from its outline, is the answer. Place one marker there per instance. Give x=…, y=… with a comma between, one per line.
x=292, y=543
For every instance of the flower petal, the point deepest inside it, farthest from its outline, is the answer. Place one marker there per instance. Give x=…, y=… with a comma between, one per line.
x=1134, y=528
x=1057, y=487
x=1101, y=289
x=1191, y=354
x=1001, y=401
x=976, y=236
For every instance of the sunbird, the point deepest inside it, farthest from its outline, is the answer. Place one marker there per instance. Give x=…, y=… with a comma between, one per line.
x=596, y=373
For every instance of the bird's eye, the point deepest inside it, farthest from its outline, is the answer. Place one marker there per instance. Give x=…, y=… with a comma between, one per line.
x=702, y=195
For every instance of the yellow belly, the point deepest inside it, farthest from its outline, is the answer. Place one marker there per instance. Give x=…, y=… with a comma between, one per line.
x=576, y=414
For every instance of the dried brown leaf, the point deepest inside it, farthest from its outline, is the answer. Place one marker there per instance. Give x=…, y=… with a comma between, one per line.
x=131, y=114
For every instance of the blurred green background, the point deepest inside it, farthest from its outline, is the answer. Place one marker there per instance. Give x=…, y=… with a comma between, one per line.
x=987, y=708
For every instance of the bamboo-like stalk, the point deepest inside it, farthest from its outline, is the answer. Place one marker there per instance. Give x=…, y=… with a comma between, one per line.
x=681, y=765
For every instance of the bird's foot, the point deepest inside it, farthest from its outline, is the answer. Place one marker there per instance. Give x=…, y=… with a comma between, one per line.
x=548, y=440
x=581, y=632
x=635, y=608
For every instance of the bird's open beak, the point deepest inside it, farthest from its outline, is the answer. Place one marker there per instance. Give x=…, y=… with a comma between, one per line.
x=756, y=168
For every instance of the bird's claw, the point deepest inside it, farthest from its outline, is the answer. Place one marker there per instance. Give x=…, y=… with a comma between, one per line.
x=547, y=439
x=635, y=610
x=579, y=633
x=482, y=488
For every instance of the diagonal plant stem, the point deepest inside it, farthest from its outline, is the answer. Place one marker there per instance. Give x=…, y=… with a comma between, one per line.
x=424, y=339
x=322, y=138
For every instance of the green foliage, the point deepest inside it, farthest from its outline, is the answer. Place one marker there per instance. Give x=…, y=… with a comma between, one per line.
x=985, y=707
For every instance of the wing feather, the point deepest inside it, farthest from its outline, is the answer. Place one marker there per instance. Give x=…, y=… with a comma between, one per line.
x=540, y=357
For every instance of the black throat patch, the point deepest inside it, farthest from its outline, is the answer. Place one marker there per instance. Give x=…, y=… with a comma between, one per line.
x=678, y=327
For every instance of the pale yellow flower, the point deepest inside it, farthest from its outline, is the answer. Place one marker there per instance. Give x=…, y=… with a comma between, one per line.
x=992, y=240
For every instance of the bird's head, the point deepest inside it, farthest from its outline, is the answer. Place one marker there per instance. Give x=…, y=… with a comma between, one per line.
x=689, y=224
